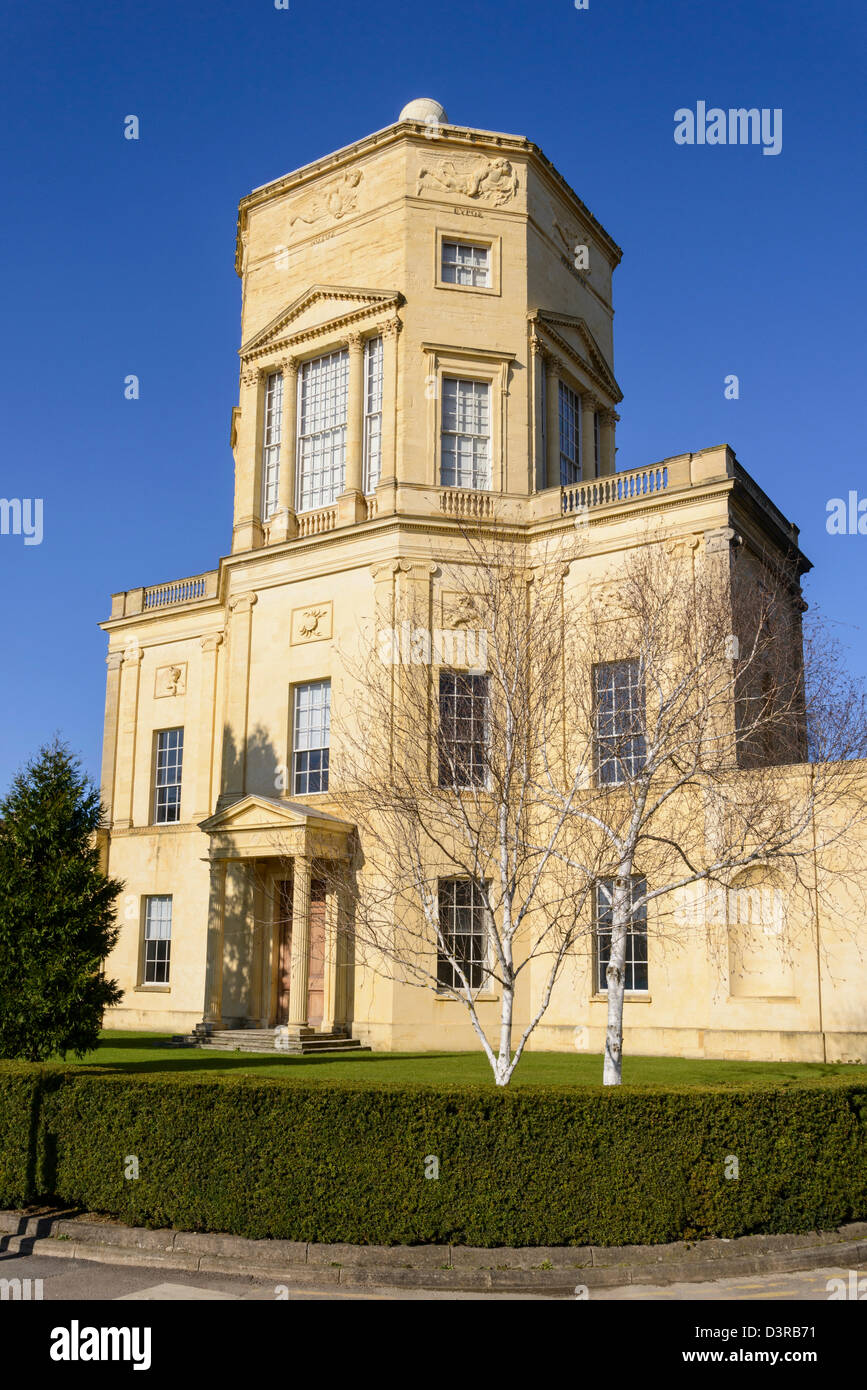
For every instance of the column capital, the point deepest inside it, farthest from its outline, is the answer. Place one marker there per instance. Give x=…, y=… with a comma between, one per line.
x=553, y=364
x=132, y=654
x=289, y=366
x=250, y=375
x=242, y=603
x=114, y=661
x=392, y=327
x=212, y=641
x=590, y=402
x=355, y=342
x=538, y=348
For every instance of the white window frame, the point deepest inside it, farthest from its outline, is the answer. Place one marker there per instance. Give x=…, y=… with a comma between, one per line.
x=478, y=691
x=374, y=363
x=164, y=763
x=478, y=395
x=465, y=263
x=485, y=934
x=161, y=921
x=569, y=416
x=462, y=236
x=321, y=451
x=639, y=931
x=620, y=749
x=311, y=698
x=272, y=422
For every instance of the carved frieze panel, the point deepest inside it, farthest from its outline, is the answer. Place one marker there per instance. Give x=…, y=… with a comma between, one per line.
x=491, y=181
x=170, y=680
x=312, y=623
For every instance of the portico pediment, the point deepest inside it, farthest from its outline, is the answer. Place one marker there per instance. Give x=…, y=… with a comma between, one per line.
x=263, y=826
x=571, y=335
x=321, y=307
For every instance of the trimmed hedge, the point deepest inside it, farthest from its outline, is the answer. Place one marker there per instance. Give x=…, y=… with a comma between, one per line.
x=346, y=1162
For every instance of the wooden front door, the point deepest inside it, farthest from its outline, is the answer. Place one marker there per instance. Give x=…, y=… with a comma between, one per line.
x=283, y=924
x=316, y=978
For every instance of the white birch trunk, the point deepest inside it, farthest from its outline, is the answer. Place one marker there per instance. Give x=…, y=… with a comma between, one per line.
x=615, y=975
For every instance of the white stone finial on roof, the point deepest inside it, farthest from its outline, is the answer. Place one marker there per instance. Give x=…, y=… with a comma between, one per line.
x=424, y=109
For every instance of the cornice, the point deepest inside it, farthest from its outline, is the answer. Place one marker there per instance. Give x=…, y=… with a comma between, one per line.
x=449, y=137
x=278, y=335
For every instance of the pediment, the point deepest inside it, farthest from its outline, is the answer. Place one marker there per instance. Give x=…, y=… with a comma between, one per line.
x=572, y=333
x=318, y=307
x=265, y=812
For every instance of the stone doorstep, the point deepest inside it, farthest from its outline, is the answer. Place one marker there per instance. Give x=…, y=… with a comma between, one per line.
x=553, y=1270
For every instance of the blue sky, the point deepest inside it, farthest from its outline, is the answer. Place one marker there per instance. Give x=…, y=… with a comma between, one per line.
x=118, y=259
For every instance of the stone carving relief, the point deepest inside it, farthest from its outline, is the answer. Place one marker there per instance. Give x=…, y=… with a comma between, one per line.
x=492, y=181
x=312, y=624
x=170, y=680
x=335, y=200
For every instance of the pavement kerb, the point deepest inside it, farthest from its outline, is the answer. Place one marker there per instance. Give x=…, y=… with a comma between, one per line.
x=547, y=1270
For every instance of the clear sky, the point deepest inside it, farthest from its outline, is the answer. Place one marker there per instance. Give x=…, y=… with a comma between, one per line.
x=118, y=259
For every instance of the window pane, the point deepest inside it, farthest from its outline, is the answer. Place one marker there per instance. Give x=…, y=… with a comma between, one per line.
x=311, y=737
x=570, y=433
x=372, y=412
x=466, y=434
x=463, y=264
x=463, y=931
x=463, y=730
x=635, y=961
x=323, y=393
x=158, y=934
x=621, y=747
x=271, y=443
x=169, y=770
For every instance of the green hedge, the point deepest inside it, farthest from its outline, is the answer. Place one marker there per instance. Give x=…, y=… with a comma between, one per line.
x=346, y=1162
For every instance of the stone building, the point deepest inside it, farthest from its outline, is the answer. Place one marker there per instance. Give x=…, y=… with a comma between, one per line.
x=427, y=336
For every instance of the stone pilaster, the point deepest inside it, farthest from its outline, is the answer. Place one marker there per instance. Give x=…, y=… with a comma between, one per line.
x=553, y=368
x=351, y=506
x=390, y=465
x=300, y=963
x=206, y=723
x=247, y=532
x=234, y=774
x=127, y=729
x=607, y=421
x=113, y=661
x=213, y=1007
x=589, y=406
x=284, y=523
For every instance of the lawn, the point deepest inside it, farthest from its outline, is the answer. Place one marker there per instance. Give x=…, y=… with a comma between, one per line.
x=140, y=1053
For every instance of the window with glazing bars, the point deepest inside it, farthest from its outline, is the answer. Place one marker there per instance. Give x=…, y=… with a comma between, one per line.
x=466, y=434
x=323, y=391
x=167, y=782
x=311, y=737
x=621, y=746
x=570, y=436
x=372, y=413
x=463, y=730
x=271, y=443
x=157, y=940
x=466, y=265
x=463, y=927
x=636, y=936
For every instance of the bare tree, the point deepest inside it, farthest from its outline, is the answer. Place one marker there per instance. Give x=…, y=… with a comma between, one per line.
x=465, y=881
x=709, y=740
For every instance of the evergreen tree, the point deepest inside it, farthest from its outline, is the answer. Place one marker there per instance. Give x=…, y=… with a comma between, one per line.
x=57, y=918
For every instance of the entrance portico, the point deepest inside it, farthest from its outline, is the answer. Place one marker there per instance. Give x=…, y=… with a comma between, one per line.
x=277, y=948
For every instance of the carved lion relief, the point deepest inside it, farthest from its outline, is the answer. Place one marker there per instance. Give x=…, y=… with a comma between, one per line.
x=492, y=181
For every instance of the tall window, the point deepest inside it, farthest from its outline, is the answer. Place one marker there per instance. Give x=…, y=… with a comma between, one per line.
x=169, y=769
x=466, y=435
x=466, y=265
x=323, y=395
x=621, y=747
x=463, y=730
x=312, y=737
x=636, y=936
x=463, y=926
x=157, y=940
x=570, y=436
x=271, y=443
x=372, y=412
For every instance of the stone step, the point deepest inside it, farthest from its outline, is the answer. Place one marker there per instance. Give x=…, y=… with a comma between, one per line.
x=264, y=1041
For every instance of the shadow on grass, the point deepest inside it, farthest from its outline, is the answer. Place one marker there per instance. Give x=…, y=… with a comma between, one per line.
x=234, y=1061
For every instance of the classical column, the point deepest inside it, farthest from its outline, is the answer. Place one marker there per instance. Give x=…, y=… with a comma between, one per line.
x=300, y=962
x=589, y=405
x=388, y=476
x=213, y=1007
x=538, y=463
x=234, y=775
x=113, y=661
x=351, y=504
x=247, y=532
x=553, y=367
x=127, y=725
x=207, y=714
x=607, y=466
x=284, y=523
